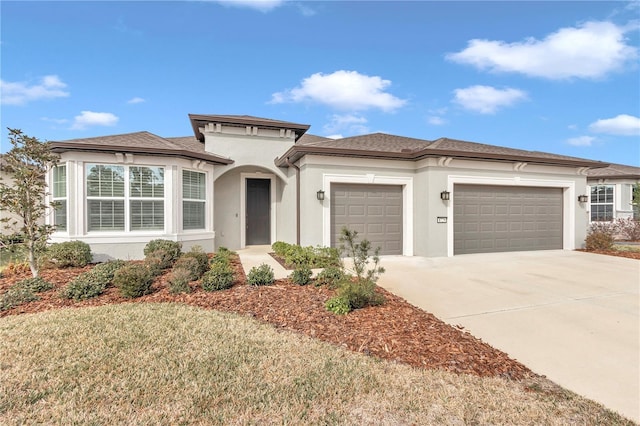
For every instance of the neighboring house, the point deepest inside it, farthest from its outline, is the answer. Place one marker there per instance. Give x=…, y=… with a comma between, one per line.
x=611, y=192
x=243, y=180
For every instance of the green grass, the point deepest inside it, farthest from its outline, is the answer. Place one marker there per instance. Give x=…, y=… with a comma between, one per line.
x=154, y=364
x=627, y=248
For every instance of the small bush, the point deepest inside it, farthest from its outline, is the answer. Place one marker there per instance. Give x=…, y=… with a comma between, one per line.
x=179, y=281
x=599, y=241
x=220, y=277
x=301, y=275
x=338, y=305
x=133, y=280
x=360, y=293
x=159, y=260
x=330, y=276
x=94, y=282
x=173, y=248
x=628, y=228
x=69, y=254
x=36, y=285
x=260, y=275
x=280, y=248
x=201, y=258
x=16, y=296
x=190, y=264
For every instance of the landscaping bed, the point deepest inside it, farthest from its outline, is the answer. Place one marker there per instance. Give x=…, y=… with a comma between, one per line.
x=396, y=330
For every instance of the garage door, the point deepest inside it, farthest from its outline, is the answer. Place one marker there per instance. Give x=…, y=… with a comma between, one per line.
x=375, y=211
x=505, y=218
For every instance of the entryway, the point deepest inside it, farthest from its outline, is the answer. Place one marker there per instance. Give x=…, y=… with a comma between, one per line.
x=258, y=211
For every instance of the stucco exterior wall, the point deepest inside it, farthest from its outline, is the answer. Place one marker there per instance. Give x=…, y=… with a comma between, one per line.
x=423, y=182
x=129, y=244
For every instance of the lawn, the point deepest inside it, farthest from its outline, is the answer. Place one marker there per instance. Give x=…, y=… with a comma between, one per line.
x=168, y=363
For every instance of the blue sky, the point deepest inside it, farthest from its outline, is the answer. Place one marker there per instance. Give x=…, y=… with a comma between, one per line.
x=559, y=77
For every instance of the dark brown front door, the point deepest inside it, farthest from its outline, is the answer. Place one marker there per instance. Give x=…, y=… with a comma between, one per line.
x=258, y=220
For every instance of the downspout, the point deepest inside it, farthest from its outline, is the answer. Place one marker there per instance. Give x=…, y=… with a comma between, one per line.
x=290, y=164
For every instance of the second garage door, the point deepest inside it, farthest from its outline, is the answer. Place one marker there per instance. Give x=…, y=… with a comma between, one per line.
x=375, y=211
x=506, y=218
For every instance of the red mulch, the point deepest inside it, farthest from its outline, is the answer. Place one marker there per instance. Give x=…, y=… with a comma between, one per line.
x=396, y=330
x=629, y=254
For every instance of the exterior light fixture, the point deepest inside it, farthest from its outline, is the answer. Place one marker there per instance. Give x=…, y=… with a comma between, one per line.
x=583, y=198
x=445, y=195
x=320, y=195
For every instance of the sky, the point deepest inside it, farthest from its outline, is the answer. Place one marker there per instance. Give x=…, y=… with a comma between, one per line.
x=560, y=77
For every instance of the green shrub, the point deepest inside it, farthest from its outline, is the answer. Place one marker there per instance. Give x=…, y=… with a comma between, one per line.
x=133, y=280
x=359, y=253
x=223, y=257
x=599, y=241
x=297, y=256
x=36, y=285
x=159, y=260
x=16, y=296
x=179, y=281
x=360, y=293
x=94, y=282
x=280, y=248
x=330, y=276
x=201, y=258
x=69, y=254
x=301, y=275
x=173, y=248
x=190, y=264
x=338, y=305
x=220, y=277
x=260, y=275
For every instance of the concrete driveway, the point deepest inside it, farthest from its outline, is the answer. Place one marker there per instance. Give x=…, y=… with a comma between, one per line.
x=571, y=316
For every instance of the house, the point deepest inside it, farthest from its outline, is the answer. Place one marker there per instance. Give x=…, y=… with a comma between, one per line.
x=611, y=192
x=242, y=180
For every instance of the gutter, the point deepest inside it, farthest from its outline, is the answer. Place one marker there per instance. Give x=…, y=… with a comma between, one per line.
x=290, y=164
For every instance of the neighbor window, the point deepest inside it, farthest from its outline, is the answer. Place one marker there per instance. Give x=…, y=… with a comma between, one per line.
x=123, y=198
x=59, y=186
x=601, y=203
x=193, y=200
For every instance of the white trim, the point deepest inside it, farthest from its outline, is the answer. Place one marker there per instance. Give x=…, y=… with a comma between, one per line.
x=370, y=178
x=569, y=198
x=243, y=204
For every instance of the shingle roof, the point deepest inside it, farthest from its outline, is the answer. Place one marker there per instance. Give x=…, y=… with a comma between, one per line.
x=380, y=145
x=615, y=171
x=142, y=143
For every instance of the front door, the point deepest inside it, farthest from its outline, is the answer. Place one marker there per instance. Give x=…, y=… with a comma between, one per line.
x=258, y=220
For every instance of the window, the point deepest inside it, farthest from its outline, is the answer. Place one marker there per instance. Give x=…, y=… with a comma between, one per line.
x=193, y=200
x=123, y=198
x=59, y=186
x=601, y=203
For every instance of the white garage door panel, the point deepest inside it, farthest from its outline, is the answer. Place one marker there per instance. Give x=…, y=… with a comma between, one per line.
x=503, y=218
x=375, y=211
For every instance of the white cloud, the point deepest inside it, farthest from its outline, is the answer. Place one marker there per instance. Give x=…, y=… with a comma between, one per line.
x=344, y=90
x=572, y=127
x=434, y=120
x=623, y=124
x=305, y=10
x=350, y=123
x=261, y=5
x=581, y=141
x=20, y=93
x=590, y=50
x=336, y=136
x=487, y=99
x=90, y=118
x=136, y=100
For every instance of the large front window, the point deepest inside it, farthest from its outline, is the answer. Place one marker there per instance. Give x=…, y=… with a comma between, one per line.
x=193, y=200
x=59, y=185
x=125, y=198
x=602, y=203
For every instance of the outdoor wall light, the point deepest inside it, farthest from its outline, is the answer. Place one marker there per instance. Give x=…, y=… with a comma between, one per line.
x=320, y=195
x=445, y=195
x=583, y=198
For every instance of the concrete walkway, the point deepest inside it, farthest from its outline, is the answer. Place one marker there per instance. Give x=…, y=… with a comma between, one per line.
x=256, y=255
x=571, y=316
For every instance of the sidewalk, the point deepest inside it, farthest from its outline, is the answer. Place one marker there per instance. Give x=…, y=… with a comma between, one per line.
x=257, y=255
